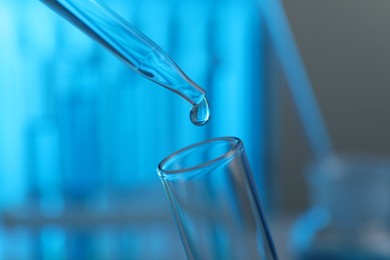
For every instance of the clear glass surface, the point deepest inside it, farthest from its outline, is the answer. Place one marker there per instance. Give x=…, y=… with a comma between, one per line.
x=212, y=194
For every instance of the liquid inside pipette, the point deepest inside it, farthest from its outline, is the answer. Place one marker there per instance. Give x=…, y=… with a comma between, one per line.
x=134, y=48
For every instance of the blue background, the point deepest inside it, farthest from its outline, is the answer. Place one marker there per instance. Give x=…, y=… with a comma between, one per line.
x=81, y=134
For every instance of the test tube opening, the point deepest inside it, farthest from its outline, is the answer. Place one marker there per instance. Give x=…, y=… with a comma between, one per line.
x=197, y=156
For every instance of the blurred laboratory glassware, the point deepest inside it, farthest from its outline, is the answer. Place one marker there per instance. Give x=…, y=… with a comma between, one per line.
x=349, y=216
x=299, y=84
x=134, y=48
x=122, y=230
x=212, y=194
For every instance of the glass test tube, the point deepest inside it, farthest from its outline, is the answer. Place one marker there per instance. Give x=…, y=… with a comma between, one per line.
x=212, y=194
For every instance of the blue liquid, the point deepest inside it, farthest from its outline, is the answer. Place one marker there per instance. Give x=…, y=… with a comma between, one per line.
x=134, y=48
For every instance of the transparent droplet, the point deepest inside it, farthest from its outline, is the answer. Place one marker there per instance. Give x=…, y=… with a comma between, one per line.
x=200, y=113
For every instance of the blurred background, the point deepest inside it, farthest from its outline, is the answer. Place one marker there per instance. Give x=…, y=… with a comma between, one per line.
x=81, y=134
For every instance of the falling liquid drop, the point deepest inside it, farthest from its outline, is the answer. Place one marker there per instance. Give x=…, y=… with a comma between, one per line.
x=200, y=113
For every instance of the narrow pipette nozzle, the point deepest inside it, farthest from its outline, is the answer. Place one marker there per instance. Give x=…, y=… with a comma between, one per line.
x=134, y=48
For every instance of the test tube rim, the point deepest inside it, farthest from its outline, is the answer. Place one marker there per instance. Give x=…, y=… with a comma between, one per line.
x=236, y=147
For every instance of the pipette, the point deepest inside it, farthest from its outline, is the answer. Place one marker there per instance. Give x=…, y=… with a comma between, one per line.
x=134, y=48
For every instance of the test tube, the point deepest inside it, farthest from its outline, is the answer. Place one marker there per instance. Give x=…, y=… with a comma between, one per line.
x=217, y=211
